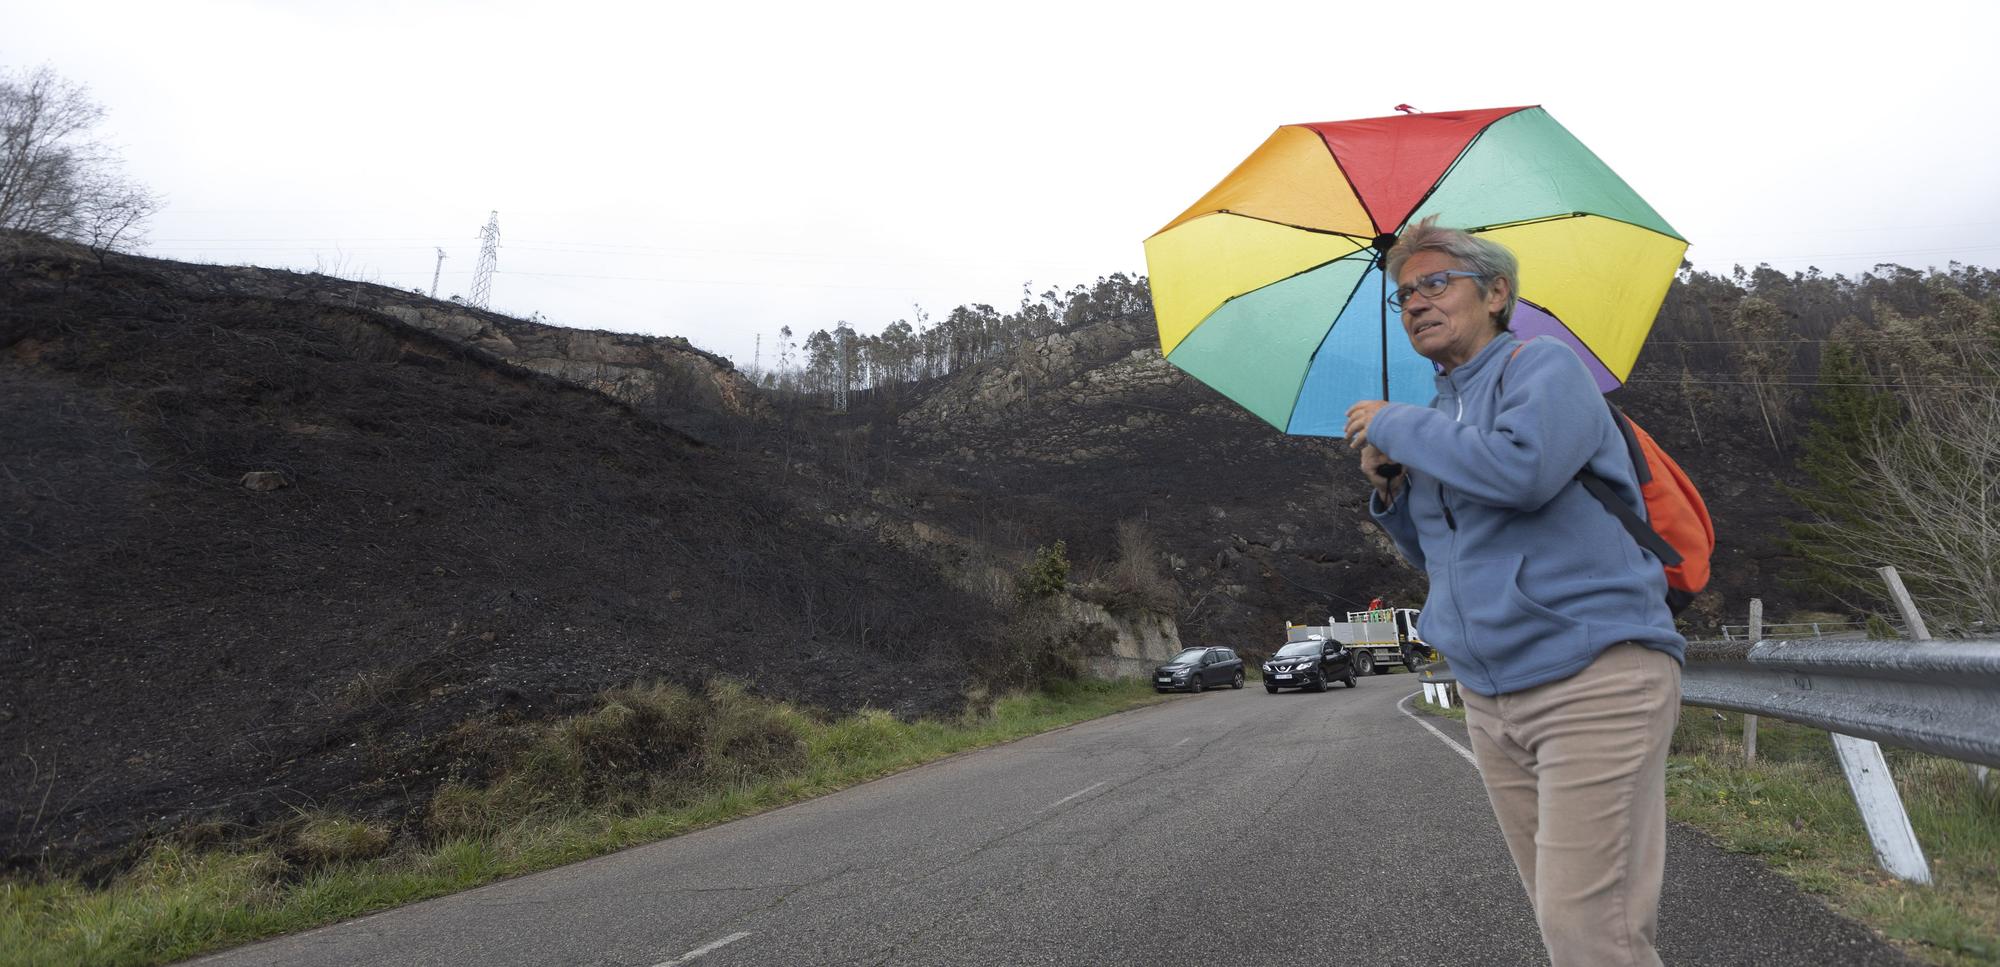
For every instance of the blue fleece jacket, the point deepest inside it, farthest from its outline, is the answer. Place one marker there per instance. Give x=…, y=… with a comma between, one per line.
x=1531, y=578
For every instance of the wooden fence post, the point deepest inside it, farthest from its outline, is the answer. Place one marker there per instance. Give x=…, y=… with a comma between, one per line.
x=1904, y=603
x=1920, y=632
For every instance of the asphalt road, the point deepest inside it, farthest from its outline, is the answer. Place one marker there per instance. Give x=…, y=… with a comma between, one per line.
x=1232, y=827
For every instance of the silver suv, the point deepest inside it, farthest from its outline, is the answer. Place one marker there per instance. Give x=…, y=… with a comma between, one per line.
x=1197, y=668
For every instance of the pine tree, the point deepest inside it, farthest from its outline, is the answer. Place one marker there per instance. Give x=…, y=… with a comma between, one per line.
x=1849, y=410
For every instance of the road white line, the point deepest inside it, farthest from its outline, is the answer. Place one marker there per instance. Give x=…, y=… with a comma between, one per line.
x=1403, y=706
x=703, y=949
x=1071, y=796
x=1183, y=742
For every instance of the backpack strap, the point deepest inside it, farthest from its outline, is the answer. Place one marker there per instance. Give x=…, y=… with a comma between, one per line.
x=1639, y=462
x=1600, y=488
x=1635, y=525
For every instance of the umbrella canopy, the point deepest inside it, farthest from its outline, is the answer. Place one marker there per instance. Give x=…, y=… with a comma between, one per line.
x=1270, y=288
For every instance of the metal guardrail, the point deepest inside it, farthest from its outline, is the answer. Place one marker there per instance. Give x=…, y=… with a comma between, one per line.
x=1941, y=697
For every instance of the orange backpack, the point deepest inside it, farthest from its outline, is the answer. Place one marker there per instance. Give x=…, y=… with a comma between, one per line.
x=1676, y=527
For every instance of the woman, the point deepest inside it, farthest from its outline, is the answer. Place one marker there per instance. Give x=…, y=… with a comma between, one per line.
x=1554, y=620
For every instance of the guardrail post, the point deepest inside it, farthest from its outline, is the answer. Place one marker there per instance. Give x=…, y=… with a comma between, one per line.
x=1750, y=721
x=1896, y=846
x=1438, y=692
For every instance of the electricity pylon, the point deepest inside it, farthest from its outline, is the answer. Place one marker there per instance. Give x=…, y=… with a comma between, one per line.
x=489, y=257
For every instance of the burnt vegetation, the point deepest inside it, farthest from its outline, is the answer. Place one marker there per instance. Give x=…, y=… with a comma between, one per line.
x=274, y=558
x=447, y=537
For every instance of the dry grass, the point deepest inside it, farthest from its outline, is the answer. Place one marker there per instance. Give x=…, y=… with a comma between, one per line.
x=324, y=840
x=652, y=745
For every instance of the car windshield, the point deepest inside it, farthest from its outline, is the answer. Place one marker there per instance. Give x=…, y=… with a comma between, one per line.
x=1299, y=649
x=1189, y=656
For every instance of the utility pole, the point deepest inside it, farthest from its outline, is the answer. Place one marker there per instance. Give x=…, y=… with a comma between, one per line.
x=757, y=358
x=489, y=257
x=437, y=272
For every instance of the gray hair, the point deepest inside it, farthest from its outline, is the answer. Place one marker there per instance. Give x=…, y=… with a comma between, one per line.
x=1488, y=258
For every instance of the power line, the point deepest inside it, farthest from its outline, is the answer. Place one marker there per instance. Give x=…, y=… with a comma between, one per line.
x=1699, y=258
x=752, y=282
x=302, y=243
x=1855, y=384
x=591, y=247
x=1872, y=336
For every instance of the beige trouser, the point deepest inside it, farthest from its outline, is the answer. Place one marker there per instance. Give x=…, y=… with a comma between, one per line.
x=1576, y=771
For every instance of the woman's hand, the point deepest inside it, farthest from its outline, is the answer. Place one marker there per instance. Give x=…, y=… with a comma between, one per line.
x=1359, y=416
x=1372, y=462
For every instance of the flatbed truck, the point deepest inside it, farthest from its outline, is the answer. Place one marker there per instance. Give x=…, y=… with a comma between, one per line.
x=1378, y=637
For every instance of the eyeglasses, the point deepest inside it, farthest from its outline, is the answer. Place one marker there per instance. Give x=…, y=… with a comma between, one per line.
x=1430, y=286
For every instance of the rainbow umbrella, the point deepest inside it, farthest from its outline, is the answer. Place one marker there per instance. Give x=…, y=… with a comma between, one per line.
x=1270, y=289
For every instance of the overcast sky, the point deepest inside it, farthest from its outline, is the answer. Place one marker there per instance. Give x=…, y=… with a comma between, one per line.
x=717, y=170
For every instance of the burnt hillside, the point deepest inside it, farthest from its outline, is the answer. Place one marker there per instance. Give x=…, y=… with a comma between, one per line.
x=444, y=535
x=270, y=537
x=1084, y=428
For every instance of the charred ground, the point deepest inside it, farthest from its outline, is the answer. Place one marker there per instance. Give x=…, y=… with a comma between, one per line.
x=455, y=537
x=476, y=520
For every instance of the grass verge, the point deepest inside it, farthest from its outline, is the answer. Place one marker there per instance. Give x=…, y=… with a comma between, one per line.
x=651, y=762
x=1791, y=808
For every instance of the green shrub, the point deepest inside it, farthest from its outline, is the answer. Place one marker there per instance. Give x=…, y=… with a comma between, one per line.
x=1047, y=575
